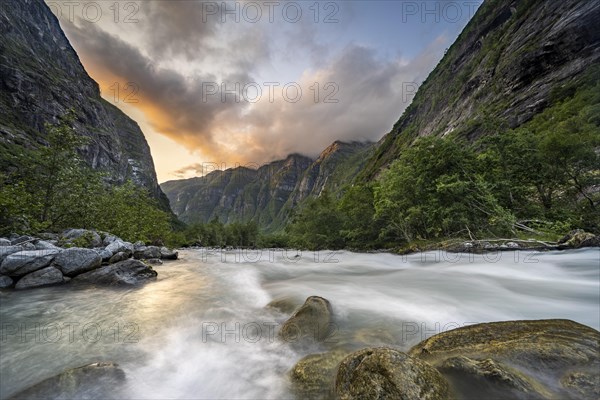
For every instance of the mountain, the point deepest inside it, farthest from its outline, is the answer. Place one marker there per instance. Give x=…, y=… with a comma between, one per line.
x=266, y=195
x=514, y=59
x=41, y=78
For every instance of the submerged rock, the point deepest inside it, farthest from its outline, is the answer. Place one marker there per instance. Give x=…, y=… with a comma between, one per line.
x=24, y=262
x=75, y=261
x=529, y=358
x=128, y=272
x=313, y=376
x=286, y=305
x=77, y=383
x=5, y=282
x=43, y=277
x=385, y=373
x=311, y=323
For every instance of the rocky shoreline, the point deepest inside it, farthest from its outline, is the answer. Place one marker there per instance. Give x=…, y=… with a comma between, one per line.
x=78, y=256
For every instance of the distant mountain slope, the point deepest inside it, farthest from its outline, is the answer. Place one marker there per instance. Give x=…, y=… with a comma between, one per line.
x=514, y=59
x=266, y=195
x=41, y=78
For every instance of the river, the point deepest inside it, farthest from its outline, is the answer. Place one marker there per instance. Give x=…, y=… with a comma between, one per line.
x=203, y=330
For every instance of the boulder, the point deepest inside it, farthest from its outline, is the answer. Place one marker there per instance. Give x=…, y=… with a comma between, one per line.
x=154, y=261
x=8, y=250
x=82, y=238
x=120, y=246
x=120, y=256
x=108, y=239
x=385, y=373
x=312, y=377
x=311, y=323
x=519, y=358
x=104, y=254
x=5, y=242
x=77, y=383
x=139, y=244
x=75, y=261
x=167, y=254
x=22, y=239
x=44, y=245
x=128, y=272
x=43, y=277
x=5, y=282
x=24, y=262
x=146, y=252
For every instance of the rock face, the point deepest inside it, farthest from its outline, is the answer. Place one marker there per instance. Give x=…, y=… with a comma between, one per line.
x=43, y=277
x=311, y=323
x=128, y=272
x=384, y=373
x=267, y=194
x=41, y=78
x=513, y=59
x=76, y=383
x=518, y=359
x=23, y=262
x=75, y=261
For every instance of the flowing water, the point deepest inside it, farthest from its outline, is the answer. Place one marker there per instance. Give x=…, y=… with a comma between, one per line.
x=203, y=330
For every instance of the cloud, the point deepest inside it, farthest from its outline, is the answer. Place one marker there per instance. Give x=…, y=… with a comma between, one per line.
x=179, y=59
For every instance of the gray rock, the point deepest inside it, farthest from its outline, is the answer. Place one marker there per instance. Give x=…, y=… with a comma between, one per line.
x=77, y=383
x=120, y=256
x=139, y=244
x=146, y=252
x=104, y=254
x=43, y=277
x=5, y=282
x=385, y=373
x=82, y=238
x=44, y=245
x=5, y=251
x=128, y=272
x=154, y=261
x=108, y=239
x=311, y=323
x=120, y=246
x=75, y=261
x=27, y=246
x=167, y=254
x=24, y=262
x=5, y=242
x=22, y=239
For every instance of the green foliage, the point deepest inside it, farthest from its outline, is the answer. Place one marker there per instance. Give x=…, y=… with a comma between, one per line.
x=54, y=190
x=216, y=234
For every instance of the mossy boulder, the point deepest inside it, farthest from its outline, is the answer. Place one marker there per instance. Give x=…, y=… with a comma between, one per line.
x=386, y=373
x=517, y=359
x=313, y=376
x=311, y=323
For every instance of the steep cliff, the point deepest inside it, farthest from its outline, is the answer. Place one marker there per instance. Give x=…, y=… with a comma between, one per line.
x=266, y=195
x=514, y=59
x=41, y=78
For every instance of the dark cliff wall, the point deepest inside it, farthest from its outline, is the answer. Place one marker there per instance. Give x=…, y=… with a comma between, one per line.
x=41, y=78
x=507, y=65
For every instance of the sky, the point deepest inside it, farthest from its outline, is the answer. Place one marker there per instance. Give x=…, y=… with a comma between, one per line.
x=229, y=83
